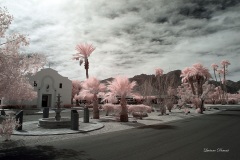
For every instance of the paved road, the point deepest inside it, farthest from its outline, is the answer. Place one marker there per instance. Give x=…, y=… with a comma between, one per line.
x=207, y=137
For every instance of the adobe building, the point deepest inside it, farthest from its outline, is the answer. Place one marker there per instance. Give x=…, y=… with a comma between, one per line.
x=48, y=83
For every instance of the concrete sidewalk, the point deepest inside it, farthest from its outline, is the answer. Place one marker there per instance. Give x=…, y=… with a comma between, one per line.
x=32, y=134
x=31, y=128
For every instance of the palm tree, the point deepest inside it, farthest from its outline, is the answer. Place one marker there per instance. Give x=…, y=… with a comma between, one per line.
x=215, y=69
x=92, y=86
x=121, y=86
x=196, y=74
x=85, y=51
x=188, y=77
x=224, y=64
x=201, y=76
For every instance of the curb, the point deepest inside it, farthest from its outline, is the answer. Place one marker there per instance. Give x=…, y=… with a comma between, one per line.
x=32, y=129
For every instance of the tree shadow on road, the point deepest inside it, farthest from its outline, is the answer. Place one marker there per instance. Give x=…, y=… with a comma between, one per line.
x=157, y=126
x=42, y=153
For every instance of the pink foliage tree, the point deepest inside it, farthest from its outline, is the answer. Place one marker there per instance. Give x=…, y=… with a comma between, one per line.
x=172, y=93
x=91, y=88
x=222, y=72
x=121, y=86
x=158, y=72
x=76, y=88
x=7, y=127
x=185, y=95
x=145, y=90
x=196, y=74
x=14, y=64
x=84, y=51
x=24, y=92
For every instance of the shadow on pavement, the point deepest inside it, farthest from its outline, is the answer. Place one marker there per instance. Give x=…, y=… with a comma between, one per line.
x=236, y=110
x=157, y=126
x=42, y=153
x=228, y=115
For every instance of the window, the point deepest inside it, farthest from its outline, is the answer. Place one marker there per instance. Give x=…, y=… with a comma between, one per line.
x=35, y=84
x=60, y=85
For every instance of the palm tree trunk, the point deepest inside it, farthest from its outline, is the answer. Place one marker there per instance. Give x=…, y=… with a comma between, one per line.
x=95, y=107
x=221, y=96
x=202, y=106
x=192, y=87
x=214, y=71
x=124, y=112
x=87, y=73
x=86, y=67
x=224, y=85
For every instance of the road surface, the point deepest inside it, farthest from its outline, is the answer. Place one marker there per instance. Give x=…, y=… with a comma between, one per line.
x=207, y=137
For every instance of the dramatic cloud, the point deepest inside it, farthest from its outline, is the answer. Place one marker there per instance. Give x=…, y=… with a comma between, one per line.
x=131, y=36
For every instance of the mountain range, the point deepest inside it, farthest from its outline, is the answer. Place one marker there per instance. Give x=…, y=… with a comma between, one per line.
x=173, y=79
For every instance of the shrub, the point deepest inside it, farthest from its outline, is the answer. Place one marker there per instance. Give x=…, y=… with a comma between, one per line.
x=232, y=101
x=169, y=105
x=7, y=127
x=139, y=108
x=198, y=110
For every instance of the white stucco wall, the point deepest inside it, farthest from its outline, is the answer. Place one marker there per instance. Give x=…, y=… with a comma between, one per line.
x=49, y=77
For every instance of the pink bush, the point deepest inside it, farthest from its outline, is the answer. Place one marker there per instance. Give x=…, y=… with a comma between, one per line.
x=109, y=107
x=116, y=108
x=158, y=72
x=186, y=111
x=169, y=105
x=139, y=108
x=7, y=128
x=196, y=102
x=198, y=110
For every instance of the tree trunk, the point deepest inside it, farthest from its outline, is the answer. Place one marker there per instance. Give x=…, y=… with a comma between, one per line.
x=124, y=112
x=202, y=106
x=192, y=87
x=77, y=103
x=86, y=67
x=95, y=107
x=87, y=73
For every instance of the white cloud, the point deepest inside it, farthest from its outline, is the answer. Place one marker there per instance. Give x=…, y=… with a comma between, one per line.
x=131, y=37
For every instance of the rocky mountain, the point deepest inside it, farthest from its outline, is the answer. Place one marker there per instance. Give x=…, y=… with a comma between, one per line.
x=172, y=79
x=232, y=87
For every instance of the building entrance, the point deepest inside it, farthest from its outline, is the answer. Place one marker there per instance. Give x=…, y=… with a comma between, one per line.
x=46, y=100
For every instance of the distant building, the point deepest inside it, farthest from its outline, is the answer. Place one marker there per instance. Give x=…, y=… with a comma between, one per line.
x=48, y=83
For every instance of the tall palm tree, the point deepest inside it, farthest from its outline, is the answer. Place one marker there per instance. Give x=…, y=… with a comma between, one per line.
x=224, y=64
x=121, y=86
x=158, y=74
x=84, y=51
x=215, y=69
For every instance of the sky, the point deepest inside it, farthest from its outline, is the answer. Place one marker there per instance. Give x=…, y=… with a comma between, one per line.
x=131, y=37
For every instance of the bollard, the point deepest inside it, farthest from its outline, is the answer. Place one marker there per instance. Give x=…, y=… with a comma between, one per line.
x=74, y=120
x=86, y=115
x=3, y=113
x=19, y=117
x=45, y=112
